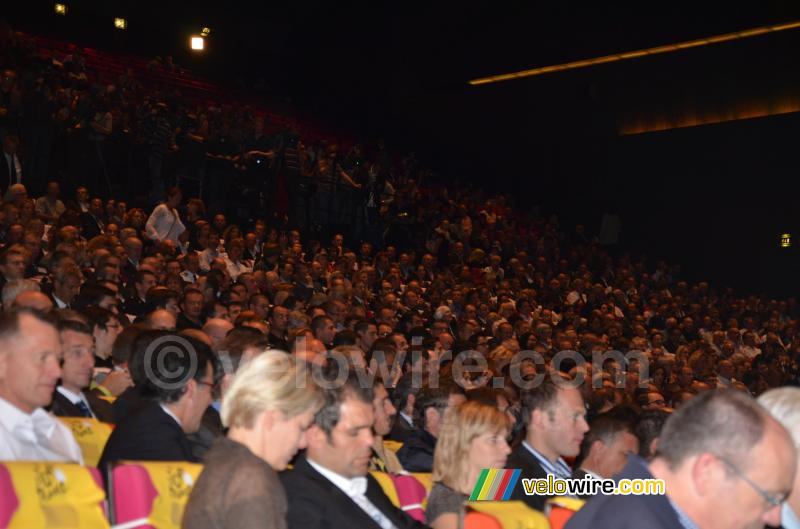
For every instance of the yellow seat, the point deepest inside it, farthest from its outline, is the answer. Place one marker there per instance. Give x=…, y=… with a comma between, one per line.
x=154, y=494
x=51, y=494
x=91, y=435
x=394, y=446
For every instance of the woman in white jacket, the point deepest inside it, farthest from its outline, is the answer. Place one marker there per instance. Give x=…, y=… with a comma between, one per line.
x=165, y=222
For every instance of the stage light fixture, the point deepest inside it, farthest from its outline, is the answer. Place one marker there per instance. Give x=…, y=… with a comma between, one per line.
x=197, y=43
x=205, y=32
x=120, y=23
x=786, y=240
x=61, y=9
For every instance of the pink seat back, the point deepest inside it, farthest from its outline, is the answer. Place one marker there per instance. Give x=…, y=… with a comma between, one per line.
x=411, y=494
x=8, y=497
x=133, y=494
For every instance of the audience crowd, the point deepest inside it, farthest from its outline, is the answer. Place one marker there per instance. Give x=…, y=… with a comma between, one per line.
x=126, y=229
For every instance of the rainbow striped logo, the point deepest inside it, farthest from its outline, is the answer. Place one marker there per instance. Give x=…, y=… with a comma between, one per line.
x=495, y=484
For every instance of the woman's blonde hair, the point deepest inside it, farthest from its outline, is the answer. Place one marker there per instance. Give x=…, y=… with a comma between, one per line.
x=272, y=380
x=468, y=421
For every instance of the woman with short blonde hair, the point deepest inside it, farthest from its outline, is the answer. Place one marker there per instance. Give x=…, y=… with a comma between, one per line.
x=267, y=409
x=473, y=439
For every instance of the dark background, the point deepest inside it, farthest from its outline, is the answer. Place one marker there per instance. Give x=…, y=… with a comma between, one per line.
x=714, y=198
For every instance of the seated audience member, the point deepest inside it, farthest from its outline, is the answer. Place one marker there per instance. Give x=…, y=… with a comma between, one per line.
x=217, y=329
x=77, y=366
x=431, y=407
x=383, y=459
x=605, y=448
x=330, y=485
x=648, y=430
x=160, y=319
x=268, y=415
x=32, y=300
x=404, y=397
x=191, y=315
x=30, y=351
x=105, y=327
x=784, y=405
x=556, y=423
x=474, y=440
x=170, y=408
x=724, y=461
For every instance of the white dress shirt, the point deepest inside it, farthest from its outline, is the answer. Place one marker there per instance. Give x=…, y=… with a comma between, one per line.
x=12, y=162
x=356, y=490
x=164, y=224
x=38, y=436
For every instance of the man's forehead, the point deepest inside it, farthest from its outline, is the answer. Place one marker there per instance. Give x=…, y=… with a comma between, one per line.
x=354, y=413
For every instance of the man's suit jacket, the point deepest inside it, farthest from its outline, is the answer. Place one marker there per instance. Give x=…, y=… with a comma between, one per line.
x=147, y=434
x=5, y=175
x=416, y=454
x=63, y=407
x=91, y=226
x=522, y=459
x=316, y=502
x=401, y=429
x=623, y=512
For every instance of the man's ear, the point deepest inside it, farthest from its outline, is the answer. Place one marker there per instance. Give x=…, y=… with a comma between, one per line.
x=706, y=474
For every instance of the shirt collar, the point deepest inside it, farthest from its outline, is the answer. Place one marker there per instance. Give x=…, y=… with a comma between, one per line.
x=169, y=412
x=60, y=304
x=14, y=419
x=789, y=519
x=73, y=397
x=683, y=518
x=351, y=487
x=560, y=468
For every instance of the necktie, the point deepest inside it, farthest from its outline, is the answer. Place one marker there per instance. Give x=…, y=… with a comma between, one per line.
x=83, y=408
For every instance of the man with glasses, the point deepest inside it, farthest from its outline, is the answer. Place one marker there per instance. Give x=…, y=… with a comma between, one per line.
x=725, y=463
x=784, y=405
x=178, y=387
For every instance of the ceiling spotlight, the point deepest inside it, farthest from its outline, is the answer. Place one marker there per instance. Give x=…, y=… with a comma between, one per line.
x=198, y=43
x=61, y=9
x=205, y=32
x=120, y=23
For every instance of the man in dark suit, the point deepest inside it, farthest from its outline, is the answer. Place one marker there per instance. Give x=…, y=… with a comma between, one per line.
x=92, y=223
x=330, y=487
x=431, y=406
x=176, y=391
x=723, y=461
x=10, y=164
x=69, y=398
x=606, y=448
x=404, y=397
x=556, y=421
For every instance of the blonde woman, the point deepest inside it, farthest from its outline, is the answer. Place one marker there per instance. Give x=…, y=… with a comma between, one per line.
x=473, y=439
x=267, y=409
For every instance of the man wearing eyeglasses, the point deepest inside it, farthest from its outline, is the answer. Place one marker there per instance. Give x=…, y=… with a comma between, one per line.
x=784, y=405
x=725, y=463
x=178, y=388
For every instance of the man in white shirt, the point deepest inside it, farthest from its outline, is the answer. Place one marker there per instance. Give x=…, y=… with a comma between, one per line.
x=30, y=354
x=330, y=486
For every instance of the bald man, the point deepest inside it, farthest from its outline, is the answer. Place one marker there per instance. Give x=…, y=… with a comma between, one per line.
x=217, y=329
x=32, y=299
x=161, y=319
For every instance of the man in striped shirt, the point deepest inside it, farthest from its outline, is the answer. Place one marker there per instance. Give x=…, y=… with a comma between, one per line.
x=556, y=423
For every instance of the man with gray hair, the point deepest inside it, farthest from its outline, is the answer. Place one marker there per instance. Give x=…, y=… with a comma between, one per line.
x=784, y=405
x=724, y=461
